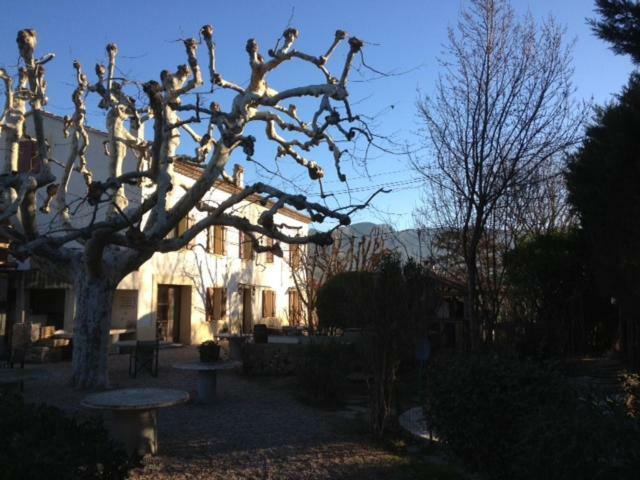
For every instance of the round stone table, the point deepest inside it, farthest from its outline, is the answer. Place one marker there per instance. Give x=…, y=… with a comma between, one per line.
x=208, y=376
x=134, y=410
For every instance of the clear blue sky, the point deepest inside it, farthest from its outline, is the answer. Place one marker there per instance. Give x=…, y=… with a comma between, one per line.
x=403, y=35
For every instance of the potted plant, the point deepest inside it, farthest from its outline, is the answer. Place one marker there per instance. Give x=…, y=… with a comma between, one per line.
x=209, y=351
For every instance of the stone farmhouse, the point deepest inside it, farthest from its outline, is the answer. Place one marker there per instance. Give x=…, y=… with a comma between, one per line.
x=216, y=284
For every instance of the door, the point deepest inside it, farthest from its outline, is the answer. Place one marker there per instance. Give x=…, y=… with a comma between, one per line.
x=168, y=313
x=247, y=310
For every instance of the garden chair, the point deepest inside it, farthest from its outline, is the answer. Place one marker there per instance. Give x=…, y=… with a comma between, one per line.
x=144, y=357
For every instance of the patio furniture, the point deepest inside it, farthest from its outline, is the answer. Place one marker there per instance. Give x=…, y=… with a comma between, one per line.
x=144, y=357
x=135, y=414
x=208, y=376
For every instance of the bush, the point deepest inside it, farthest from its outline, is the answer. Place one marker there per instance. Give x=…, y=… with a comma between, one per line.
x=322, y=373
x=344, y=301
x=39, y=441
x=514, y=419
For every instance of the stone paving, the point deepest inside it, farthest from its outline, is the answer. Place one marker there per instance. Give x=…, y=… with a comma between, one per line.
x=257, y=428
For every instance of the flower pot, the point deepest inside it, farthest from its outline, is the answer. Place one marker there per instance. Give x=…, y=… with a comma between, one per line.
x=209, y=353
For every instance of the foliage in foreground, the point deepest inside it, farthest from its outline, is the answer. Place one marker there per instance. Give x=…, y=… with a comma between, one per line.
x=553, y=301
x=392, y=306
x=515, y=419
x=322, y=373
x=39, y=441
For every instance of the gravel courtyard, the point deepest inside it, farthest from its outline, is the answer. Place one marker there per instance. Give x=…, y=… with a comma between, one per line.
x=256, y=430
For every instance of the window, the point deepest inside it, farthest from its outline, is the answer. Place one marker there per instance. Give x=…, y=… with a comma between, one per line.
x=294, y=256
x=295, y=308
x=268, y=304
x=215, y=239
x=216, y=303
x=246, y=248
x=269, y=243
x=183, y=225
x=28, y=158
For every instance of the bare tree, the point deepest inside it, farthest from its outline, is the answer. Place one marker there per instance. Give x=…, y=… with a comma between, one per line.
x=502, y=109
x=317, y=264
x=96, y=255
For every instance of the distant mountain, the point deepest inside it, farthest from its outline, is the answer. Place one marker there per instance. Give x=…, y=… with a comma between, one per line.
x=418, y=244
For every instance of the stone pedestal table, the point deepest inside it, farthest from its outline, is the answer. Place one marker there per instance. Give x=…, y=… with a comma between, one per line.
x=135, y=422
x=208, y=376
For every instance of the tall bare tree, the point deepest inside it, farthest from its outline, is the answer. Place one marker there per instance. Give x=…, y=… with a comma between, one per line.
x=95, y=255
x=502, y=109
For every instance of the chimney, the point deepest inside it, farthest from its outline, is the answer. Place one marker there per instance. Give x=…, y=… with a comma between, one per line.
x=238, y=176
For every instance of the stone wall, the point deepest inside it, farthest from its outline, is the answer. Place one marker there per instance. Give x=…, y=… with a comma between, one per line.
x=271, y=358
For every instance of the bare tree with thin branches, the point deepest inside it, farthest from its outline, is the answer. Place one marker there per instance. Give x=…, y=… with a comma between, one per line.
x=501, y=110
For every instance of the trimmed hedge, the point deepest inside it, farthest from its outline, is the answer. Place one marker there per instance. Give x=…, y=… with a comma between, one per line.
x=38, y=442
x=322, y=373
x=516, y=419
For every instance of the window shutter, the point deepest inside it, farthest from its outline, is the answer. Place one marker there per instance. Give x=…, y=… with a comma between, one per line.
x=217, y=303
x=223, y=309
x=210, y=239
x=218, y=240
x=241, y=244
x=269, y=253
x=28, y=158
x=294, y=255
x=264, y=303
x=273, y=304
x=294, y=307
x=209, y=304
x=191, y=221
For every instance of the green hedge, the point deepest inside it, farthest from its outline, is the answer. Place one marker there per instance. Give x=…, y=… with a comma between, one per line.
x=515, y=419
x=41, y=442
x=322, y=373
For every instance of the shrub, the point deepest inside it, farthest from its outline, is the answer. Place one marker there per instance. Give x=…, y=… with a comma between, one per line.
x=39, y=441
x=344, y=301
x=322, y=372
x=515, y=419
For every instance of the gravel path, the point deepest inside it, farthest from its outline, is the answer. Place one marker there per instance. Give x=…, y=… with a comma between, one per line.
x=256, y=430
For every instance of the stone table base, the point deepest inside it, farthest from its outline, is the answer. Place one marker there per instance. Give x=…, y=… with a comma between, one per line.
x=137, y=430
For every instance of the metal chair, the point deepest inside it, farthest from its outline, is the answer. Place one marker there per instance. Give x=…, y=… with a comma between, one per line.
x=144, y=357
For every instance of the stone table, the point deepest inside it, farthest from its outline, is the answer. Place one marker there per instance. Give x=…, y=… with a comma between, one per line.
x=208, y=376
x=134, y=410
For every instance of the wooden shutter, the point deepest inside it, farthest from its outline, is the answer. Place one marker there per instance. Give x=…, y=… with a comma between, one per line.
x=210, y=239
x=223, y=307
x=241, y=244
x=269, y=254
x=294, y=256
x=218, y=240
x=294, y=307
x=209, y=304
x=246, y=249
x=268, y=303
x=191, y=221
x=28, y=158
x=217, y=303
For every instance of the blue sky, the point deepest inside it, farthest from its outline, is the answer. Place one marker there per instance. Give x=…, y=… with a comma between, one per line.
x=403, y=36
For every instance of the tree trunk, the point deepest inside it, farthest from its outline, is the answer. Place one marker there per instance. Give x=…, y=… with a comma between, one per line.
x=94, y=299
x=470, y=307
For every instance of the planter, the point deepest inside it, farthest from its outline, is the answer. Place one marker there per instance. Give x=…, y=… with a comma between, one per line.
x=209, y=352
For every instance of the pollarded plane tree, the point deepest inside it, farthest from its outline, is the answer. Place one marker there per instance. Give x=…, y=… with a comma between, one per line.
x=98, y=254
